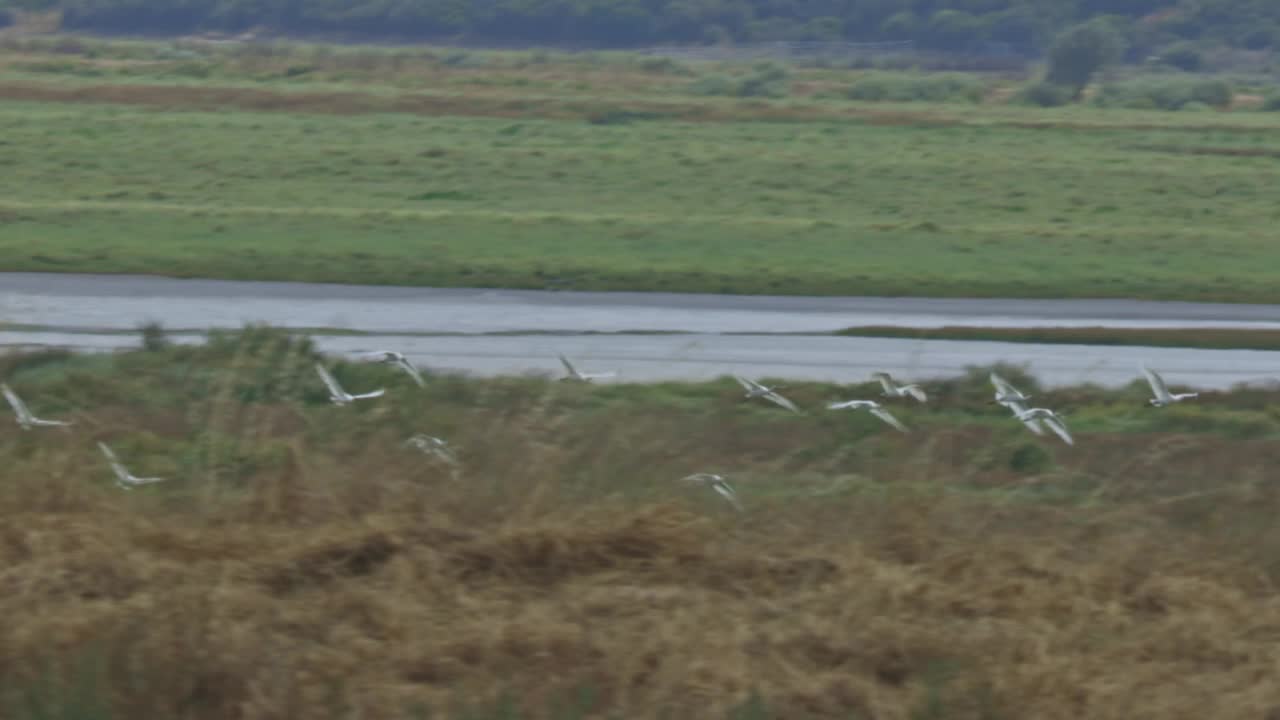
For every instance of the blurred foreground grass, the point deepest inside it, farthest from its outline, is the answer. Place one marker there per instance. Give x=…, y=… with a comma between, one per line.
x=300, y=562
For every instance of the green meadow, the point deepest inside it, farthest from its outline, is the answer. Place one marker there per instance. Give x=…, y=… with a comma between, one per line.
x=617, y=177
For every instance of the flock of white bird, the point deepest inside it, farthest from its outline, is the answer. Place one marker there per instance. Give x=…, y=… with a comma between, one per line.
x=1036, y=419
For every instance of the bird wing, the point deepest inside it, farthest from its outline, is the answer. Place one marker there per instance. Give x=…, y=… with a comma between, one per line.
x=334, y=388
x=117, y=467
x=700, y=477
x=568, y=366
x=1003, y=385
x=49, y=423
x=404, y=364
x=842, y=405
x=917, y=392
x=374, y=394
x=776, y=398
x=445, y=454
x=888, y=417
x=1019, y=411
x=886, y=382
x=1157, y=384
x=15, y=402
x=727, y=493
x=143, y=481
x=1059, y=428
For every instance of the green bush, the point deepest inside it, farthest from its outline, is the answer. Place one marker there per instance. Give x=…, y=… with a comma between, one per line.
x=1214, y=93
x=1046, y=94
x=1082, y=50
x=1166, y=94
x=1030, y=458
x=765, y=80
x=1183, y=56
x=712, y=85
x=1271, y=103
x=938, y=87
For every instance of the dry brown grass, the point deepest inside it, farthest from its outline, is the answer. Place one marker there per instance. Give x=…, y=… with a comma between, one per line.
x=883, y=577
x=291, y=603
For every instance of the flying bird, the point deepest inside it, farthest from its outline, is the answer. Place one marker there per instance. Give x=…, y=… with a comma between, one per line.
x=433, y=446
x=892, y=389
x=576, y=376
x=756, y=390
x=25, y=418
x=718, y=484
x=1161, y=391
x=391, y=357
x=1051, y=419
x=1007, y=393
x=124, y=478
x=872, y=407
x=337, y=394
x=1033, y=424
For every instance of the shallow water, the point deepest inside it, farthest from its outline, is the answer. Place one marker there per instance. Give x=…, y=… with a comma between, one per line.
x=125, y=301
x=65, y=306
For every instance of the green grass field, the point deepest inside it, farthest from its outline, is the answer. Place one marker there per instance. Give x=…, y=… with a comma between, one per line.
x=614, y=177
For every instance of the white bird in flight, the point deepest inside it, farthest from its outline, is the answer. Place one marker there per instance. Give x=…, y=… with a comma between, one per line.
x=337, y=394
x=433, y=446
x=575, y=376
x=391, y=357
x=25, y=418
x=124, y=478
x=872, y=407
x=1018, y=409
x=717, y=483
x=892, y=389
x=1161, y=391
x=1006, y=393
x=1050, y=418
x=756, y=390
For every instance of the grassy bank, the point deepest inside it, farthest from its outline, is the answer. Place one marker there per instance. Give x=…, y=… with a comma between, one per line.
x=1208, y=338
x=610, y=173
x=965, y=570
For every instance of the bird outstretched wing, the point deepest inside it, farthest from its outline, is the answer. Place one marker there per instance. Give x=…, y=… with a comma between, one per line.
x=1156, y=382
x=403, y=363
x=15, y=402
x=335, y=389
x=568, y=366
x=888, y=417
x=779, y=400
x=1059, y=428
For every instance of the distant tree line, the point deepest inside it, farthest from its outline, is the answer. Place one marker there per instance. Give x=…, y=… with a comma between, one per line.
x=1017, y=26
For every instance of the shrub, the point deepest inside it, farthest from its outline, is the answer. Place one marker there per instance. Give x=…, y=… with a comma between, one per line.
x=765, y=80
x=1045, y=94
x=938, y=87
x=154, y=338
x=1030, y=458
x=1168, y=94
x=1271, y=103
x=664, y=66
x=1214, y=93
x=1080, y=51
x=1183, y=56
x=712, y=85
